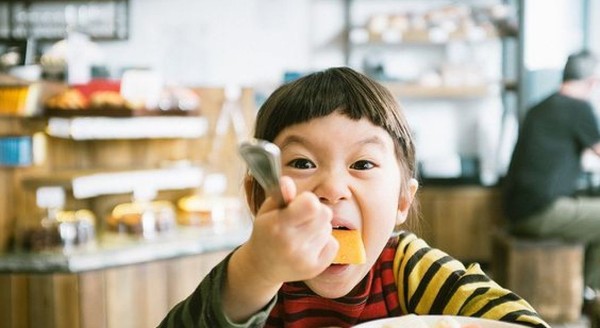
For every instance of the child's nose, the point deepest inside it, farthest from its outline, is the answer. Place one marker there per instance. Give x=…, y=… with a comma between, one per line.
x=332, y=187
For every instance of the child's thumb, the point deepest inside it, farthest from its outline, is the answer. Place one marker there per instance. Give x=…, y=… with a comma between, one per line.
x=330, y=251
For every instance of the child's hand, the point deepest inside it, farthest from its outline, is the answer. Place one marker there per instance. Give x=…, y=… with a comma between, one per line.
x=295, y=242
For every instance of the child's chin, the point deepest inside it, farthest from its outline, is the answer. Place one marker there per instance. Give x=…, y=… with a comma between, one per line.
x=331, y=294
x=332, y=283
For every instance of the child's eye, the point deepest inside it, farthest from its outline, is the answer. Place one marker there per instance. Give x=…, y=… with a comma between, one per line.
x=302, y=163
x=362, y=165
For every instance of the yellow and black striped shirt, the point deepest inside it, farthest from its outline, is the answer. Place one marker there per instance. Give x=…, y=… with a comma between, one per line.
x=429, y=281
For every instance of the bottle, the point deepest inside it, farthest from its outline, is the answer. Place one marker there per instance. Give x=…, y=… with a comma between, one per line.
x=231, y=114
x=143, y=198
x=214, y=187
x=488, y=141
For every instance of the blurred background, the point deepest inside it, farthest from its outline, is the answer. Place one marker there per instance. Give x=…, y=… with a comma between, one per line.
x=120, y=119
x=490, y=47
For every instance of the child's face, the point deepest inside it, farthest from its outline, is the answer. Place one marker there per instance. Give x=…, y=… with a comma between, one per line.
x=352, y=167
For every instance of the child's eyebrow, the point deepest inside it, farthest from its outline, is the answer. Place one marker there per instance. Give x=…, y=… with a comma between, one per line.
x=375, y=140
x=294, y=139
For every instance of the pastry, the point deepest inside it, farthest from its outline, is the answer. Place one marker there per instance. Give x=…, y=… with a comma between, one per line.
x=107, y=99
x=195, y=210
x=68, y=229
x=71, y=99
x=137, y=219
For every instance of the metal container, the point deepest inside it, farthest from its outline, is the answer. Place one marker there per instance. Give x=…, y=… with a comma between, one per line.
x=16, y=150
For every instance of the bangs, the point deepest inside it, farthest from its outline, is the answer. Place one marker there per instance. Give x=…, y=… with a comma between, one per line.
x=321, y=94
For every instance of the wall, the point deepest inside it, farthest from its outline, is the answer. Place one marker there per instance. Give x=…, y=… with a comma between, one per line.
x=595, y=25
x=234, y=41
x=254, y=42
x=544, y=25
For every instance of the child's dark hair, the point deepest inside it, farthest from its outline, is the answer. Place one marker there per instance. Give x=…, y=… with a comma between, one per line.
x=339, y=89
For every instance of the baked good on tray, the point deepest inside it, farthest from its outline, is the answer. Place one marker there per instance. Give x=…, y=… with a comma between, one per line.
x=71, y=99
x=142, y=219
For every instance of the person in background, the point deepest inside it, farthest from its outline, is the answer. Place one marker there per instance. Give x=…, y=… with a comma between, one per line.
x=540, y=186
x=348, y=162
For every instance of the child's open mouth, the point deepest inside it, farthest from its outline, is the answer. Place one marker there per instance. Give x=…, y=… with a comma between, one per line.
x=352, y=249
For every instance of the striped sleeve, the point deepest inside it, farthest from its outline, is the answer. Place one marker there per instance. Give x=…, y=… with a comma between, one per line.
x=431, y=282
x=203, y=307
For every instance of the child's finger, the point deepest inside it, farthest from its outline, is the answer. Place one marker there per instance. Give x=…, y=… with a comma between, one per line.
x=288, y=188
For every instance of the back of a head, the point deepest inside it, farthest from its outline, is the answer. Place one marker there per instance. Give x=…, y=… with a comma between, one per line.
x=580, y=66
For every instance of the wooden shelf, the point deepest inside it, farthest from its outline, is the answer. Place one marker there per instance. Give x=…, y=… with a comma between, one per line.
x=426, y=38
x=404, y=90
x=87, y=184
x=110, y=128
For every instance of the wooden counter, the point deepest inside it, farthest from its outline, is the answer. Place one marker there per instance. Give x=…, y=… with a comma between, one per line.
x=119, y=286
x=461, y=220
x=137, y=295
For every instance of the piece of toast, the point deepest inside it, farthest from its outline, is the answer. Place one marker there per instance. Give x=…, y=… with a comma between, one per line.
x=352, y=249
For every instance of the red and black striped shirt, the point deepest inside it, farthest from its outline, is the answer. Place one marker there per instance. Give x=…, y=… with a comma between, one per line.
x=375, y=297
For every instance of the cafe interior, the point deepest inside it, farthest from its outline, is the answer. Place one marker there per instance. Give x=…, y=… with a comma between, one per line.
x=116, y=113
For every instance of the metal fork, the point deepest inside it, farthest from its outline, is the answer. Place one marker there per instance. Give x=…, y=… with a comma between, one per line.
x=264, y=161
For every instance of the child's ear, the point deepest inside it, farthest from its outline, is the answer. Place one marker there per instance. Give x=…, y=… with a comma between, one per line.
x=248, y=189
x=406, y=200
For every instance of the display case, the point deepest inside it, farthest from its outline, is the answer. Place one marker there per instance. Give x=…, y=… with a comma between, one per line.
x=100, y=170
x=102, y=162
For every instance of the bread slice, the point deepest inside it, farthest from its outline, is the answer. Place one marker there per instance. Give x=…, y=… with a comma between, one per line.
x=352, y=249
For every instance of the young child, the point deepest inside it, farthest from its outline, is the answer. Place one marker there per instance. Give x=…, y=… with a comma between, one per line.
x=348, y=161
